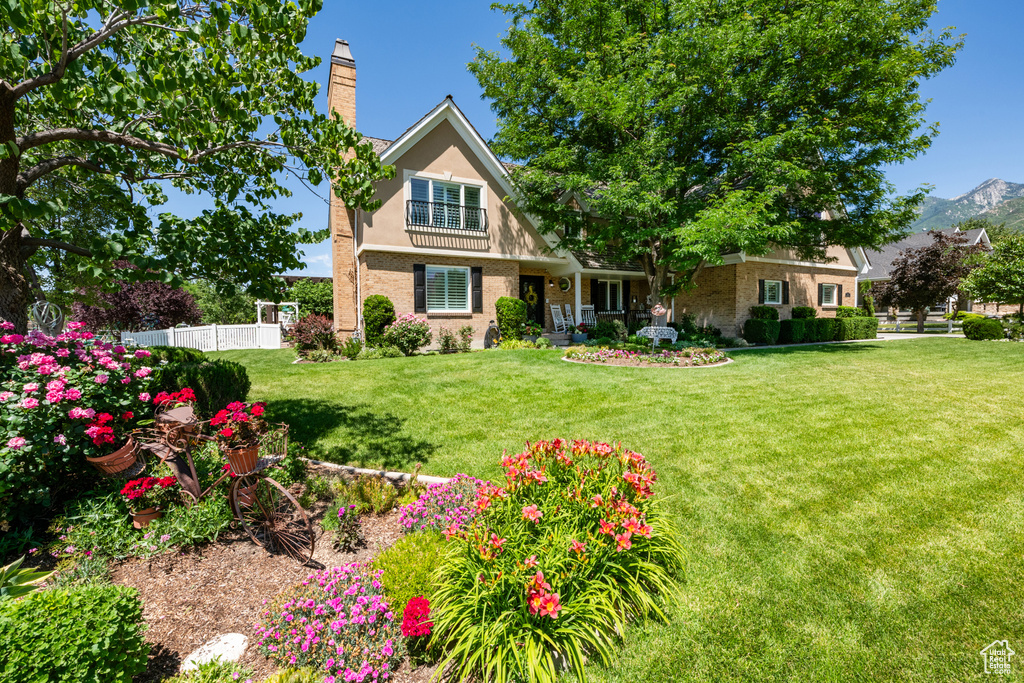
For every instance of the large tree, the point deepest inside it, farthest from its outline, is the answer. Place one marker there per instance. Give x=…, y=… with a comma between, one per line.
x=695, y=128
x=925, y=276
x=123, y=98
x=1000, y=278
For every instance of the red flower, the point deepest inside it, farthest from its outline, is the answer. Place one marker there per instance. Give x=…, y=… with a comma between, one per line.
x=127, y=415
x=257, y=410
x=415, y=618
x=227, y=432
x=236, y=406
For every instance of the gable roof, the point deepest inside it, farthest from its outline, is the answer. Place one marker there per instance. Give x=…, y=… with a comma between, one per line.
x=881, y=260
x=605, y=260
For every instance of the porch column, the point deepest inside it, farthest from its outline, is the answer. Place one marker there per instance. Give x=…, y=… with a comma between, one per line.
x=579, y=296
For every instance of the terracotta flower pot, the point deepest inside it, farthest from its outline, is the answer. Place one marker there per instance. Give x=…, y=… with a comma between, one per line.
x=243, y=460
x=118, y=461
x=247, y=494
x=142, y=518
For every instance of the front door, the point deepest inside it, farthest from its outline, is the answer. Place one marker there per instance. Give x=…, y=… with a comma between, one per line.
x=531, y=290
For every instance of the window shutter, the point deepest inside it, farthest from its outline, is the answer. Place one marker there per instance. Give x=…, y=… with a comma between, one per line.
x=593, y=293
x=839, y=295
x=625, y=295
x=785, y=292
x=477, y=279
x=821, y=294
x=760, y=291
x=419, y=287
x=601, y=296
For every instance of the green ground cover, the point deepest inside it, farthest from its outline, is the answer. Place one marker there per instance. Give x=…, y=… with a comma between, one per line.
x=852, y=512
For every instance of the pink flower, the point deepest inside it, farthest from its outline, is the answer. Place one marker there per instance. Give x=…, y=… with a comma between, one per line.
x=73, y=394
x=101, y=379
x=4, y=395
x=142, y=353
x=623, y=542
x=16, y=443
x=29, y=403
x=126, y=380
x=30, y=387
x=61, y=439
x=531, y=562
x=55, y=385
x=143, y=372
x=144, y=397
x=578, y=547
x=4, y=325
x=532, y=514
x=63, y=353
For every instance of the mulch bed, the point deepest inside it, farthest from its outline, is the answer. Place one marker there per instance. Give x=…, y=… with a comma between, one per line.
x=190, y=597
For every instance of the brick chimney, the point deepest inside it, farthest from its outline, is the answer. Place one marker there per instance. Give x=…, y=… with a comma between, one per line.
x=341, y=101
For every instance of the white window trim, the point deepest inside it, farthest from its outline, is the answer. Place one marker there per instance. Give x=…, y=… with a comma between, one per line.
x=772, y=303
x=409, y=174
x=607, y=297
x=469, y=289
x=835, y=295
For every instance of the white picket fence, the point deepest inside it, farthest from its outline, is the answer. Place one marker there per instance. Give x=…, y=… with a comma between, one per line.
x=211, y=337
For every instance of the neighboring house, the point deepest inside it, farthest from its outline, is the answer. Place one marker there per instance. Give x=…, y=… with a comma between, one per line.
x=881, y=264
x=446, y=243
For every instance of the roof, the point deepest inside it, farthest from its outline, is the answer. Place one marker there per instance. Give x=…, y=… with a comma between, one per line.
x=604, y=260
x=881, y=260
x=379, y=144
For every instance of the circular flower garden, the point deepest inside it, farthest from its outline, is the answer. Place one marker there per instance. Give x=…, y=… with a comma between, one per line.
x=684, y=358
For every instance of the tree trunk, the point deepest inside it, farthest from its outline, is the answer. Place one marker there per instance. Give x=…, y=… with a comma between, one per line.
x=657, y=280
x=921, y=312
x=15, y=289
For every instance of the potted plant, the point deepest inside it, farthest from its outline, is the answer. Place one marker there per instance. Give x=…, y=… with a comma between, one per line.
x=146, y=498
x=578, y=333
x=105, y=431
x=531, y=330
x=176, y=410
x=240, y=426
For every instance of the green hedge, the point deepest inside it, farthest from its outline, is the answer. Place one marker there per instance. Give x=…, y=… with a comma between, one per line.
x=91, y=634
x=820, y=329
x=861, y=327
x=511, y=316
x=983, y=328
x=804, y=312
x=764, y=313
x=792, y=331
x=175, y=354
x=378, y=313
x=758, y=331
x=216, y=382
x=849, y=312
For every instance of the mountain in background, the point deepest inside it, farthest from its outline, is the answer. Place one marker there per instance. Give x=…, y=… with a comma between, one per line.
x=995, y=200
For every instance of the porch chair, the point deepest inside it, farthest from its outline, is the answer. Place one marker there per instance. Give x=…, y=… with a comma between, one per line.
x=556, y=318
x=569, y=320
x=587, y=316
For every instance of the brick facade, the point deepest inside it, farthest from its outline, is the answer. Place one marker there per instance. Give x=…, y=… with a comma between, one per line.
x=724, y=294
x=341, y=98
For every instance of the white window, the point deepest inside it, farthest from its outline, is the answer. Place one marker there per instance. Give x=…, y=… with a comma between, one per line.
x=434, y=203
x=772, y=292
x=828, y=295
x=612, y=295
x=448, y=288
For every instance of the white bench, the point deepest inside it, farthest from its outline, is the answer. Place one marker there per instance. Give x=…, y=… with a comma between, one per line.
x=657, y=333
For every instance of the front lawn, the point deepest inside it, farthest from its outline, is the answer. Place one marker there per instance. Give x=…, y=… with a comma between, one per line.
x=852, y=512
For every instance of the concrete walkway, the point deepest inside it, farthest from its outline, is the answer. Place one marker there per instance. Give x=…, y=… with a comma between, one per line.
x=882, y=336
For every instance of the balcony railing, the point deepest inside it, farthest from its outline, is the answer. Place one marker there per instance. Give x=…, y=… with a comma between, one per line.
x=431, y=216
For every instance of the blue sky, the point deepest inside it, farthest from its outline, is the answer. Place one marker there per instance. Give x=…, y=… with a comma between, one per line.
x=410, y=55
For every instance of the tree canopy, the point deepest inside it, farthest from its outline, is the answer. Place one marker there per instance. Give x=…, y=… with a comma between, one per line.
x=1000, y=278
x=122, y=100
x=696, y=128
x=925, y=276
x=133, y=305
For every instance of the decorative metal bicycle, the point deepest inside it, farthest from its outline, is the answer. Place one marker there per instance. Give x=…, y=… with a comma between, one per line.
x=267, y=511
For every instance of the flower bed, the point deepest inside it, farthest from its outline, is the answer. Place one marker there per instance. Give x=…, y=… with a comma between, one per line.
x=685, y=358
x=443, y=507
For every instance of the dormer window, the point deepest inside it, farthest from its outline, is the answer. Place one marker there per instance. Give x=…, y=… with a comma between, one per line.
x=439, y=205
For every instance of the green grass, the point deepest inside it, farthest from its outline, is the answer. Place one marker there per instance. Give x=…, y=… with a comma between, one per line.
x=852, y=512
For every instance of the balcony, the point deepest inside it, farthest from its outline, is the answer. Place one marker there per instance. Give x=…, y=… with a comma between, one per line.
x=445, y=218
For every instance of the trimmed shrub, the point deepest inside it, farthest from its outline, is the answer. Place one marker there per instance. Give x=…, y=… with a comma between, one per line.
x=410, y=568
x=792, y=331
x=983, y=328
x=408, y=333
x=850, y=312
x=610, y=329
x=760, y=331
x=820, y=329
x=314, y=333
x=378, y=313
x=370, y=353
x=89, y=633
x=862, y=327
x=511, y=317
x=175, y=354
x=764, y=313
x=804, y=312
x=559, y=560
x=216, y=383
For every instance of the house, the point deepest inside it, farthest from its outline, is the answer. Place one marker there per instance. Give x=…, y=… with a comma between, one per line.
x=446, y=243
x=880, y=264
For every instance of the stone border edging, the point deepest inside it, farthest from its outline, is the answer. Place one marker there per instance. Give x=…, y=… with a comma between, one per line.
x=664, y=366
x=392, y=476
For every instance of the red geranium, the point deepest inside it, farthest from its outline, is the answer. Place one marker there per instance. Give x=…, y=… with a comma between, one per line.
x=148, y=492
x=241, y=424
x=416, y=618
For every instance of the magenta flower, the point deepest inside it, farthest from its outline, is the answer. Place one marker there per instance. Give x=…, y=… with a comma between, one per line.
x=144, y=371
x=60, y=439
x=29, y=403
x=16, y=443
x=30, y=387
x=144, y=397
x=101, y=379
